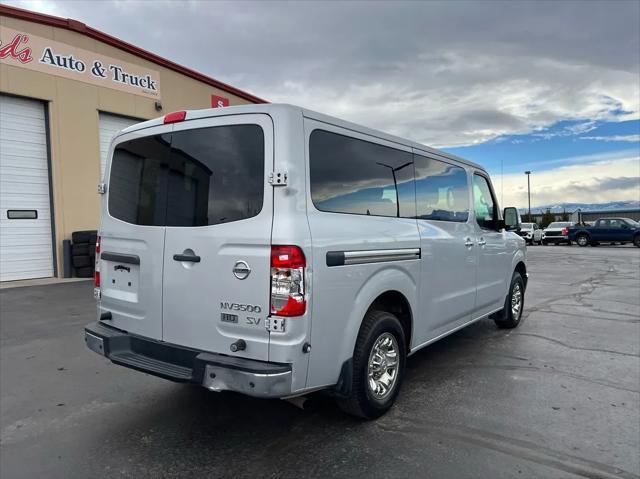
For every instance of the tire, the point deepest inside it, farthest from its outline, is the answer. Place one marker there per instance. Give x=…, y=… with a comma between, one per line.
x=362, y=402
x=81, y=261
x=84, y=272
x=81, y=249
x=88, y=236
x=582, y=240
x=508, y=318
x=636, y=241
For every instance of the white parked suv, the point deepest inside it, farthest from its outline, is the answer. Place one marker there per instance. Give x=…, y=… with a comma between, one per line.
x=274, y=251
x=531, y=233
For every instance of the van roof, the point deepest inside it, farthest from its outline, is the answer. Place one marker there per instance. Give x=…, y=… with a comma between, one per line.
x=273, y=107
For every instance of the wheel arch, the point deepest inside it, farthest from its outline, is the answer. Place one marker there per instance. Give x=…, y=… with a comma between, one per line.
x=522, y=269
x=391, y=290
x=396, y=303
x=390, y=301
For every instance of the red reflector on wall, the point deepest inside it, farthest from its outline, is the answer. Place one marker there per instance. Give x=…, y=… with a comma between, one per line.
x=219, y=101
x=175, y=117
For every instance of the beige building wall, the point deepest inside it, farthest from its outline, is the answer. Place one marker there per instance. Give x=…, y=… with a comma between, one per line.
x=73, y=108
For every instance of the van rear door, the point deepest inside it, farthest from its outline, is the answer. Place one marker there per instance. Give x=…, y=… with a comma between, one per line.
x=132, y=232
x=216, y=286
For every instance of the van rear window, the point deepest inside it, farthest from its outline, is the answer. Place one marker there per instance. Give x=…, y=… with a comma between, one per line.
x=196, y=177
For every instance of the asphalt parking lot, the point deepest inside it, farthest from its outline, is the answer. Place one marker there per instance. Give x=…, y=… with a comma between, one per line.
x=557, y=397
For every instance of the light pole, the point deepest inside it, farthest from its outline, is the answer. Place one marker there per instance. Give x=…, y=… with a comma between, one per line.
x=395, y=183
x=528, y=173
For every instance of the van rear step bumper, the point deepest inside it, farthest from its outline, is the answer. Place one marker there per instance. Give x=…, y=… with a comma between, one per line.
x=216, y=372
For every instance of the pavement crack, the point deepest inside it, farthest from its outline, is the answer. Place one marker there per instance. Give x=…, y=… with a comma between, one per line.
x=536, y=369
x=515, y=447
x=600, y=318
x=566, y=345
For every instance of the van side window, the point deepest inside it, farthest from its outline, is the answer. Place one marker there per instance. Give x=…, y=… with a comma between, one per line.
x=354, y=176
x=484, y=203
x=442, y=190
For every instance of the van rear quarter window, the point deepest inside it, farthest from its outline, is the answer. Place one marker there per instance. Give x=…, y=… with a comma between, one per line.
x=197, y=177
x=349, y=175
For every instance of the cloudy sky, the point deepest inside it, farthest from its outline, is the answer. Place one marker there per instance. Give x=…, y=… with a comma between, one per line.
x=552, y=87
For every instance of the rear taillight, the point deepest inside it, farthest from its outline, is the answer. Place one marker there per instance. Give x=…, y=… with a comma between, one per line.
x=96, y=274
x=287, y=281
x=565, y=231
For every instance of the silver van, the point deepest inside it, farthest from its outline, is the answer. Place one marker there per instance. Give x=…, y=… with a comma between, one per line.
x=275, y=251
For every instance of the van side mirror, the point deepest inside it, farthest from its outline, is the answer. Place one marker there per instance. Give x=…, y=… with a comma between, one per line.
x=511, y=219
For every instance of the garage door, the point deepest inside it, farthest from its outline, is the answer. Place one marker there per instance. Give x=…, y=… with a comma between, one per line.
x=25, y=204
x=110, y=125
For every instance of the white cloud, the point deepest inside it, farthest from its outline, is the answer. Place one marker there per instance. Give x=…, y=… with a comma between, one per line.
x=446, y=115
x=630, y=138
x=442, y=73
x=616, y=179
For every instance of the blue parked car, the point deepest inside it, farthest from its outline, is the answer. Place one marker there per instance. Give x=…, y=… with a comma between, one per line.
x=607, y=230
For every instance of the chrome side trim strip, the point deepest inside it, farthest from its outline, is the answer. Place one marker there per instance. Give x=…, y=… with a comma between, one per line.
x=340, y=258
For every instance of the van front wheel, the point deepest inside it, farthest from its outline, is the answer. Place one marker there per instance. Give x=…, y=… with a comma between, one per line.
x=378, y=366
x=510, y=316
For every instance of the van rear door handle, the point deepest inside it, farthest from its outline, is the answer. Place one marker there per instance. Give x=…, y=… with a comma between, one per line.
x=468, y=243
x=186, y=257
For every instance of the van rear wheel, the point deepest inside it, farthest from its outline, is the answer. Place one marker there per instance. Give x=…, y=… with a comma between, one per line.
x=378, y=366
x=511, y=314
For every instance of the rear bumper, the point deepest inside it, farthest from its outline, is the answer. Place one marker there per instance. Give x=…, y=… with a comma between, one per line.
x=216, y=372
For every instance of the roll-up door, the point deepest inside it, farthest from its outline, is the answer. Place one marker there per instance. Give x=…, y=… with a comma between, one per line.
x=110, y=125
x=26, y=249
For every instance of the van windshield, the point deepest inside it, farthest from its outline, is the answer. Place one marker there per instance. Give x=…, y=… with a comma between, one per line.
x=195, y=177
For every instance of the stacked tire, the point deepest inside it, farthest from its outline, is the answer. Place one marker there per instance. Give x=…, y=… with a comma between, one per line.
x=83, y=252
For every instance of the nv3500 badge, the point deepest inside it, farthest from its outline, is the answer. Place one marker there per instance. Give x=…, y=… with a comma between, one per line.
x=250, y=308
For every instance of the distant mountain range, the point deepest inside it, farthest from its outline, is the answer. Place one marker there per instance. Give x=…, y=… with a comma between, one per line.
x=571, y=207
